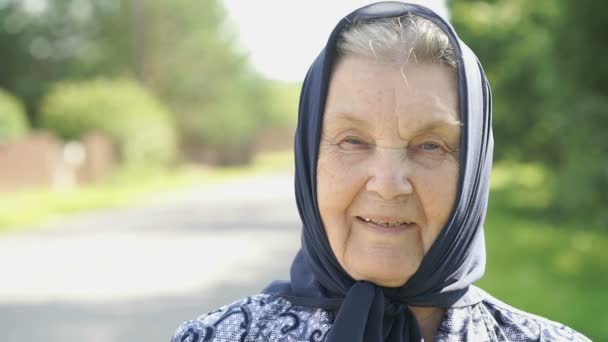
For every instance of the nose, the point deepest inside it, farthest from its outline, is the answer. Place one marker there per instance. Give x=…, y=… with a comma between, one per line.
x=389, y=174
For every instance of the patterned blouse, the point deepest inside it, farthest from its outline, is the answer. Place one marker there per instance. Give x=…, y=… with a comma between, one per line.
x=265, y=317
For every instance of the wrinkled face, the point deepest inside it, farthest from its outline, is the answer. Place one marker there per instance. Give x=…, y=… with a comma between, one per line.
x=387, y=173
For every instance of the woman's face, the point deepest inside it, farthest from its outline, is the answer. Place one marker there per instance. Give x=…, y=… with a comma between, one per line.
x=387, y=173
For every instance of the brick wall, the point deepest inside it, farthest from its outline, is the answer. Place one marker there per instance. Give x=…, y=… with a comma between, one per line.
x=42, y=160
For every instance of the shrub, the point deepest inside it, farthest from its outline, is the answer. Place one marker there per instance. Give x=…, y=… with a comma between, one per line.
x=13, y=120
x=121, y=108
x=225, y=128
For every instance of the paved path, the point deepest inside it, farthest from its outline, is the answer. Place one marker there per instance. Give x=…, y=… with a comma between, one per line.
x=135, y=274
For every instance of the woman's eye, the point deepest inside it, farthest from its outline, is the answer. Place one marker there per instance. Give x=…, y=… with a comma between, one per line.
x=429, y=146
x=353, y=141
x=429, y=149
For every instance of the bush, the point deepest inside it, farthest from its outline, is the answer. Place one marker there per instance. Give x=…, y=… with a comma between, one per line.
x=142, y=128
x=13, y=120
x=225, y=129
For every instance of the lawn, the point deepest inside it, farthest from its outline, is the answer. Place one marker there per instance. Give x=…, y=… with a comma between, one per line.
x=550, y=267
x=128, y=186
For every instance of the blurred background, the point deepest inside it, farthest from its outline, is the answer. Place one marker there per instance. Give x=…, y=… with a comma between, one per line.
x=146, y=164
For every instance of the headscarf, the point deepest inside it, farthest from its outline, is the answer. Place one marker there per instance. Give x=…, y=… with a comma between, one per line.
x=368, y=312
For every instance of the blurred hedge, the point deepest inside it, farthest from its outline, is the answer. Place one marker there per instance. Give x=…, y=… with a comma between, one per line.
x=121, y=108
x=13, y=119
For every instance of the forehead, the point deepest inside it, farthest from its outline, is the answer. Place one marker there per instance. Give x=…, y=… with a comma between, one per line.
x=365, y=87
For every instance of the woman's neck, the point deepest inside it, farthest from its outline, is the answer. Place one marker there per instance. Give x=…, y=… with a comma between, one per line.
x=429, y=320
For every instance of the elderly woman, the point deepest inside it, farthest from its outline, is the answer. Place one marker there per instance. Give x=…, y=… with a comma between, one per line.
x=393, y=156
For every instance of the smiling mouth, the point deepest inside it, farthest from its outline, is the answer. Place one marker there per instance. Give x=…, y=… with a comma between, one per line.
x=385, y=224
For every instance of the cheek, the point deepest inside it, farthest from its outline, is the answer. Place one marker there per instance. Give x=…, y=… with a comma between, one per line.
x=338, y=184
x=436, y=191
x=338, y=180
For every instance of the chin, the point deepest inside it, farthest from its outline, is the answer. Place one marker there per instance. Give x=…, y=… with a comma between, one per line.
x=390, y=282
x=387, y=273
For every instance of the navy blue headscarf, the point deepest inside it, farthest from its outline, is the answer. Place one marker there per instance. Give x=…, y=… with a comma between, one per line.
x=368, y=312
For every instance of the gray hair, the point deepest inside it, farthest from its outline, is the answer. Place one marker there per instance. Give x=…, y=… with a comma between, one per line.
x=403, y=40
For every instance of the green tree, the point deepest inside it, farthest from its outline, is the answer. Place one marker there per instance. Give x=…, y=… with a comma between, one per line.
x=543, y=60
x=192, y=63
x=60, y=39
x=581, y=46
x=182, y=50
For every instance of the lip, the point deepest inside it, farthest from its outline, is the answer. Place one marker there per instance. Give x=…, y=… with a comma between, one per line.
x=383, y=229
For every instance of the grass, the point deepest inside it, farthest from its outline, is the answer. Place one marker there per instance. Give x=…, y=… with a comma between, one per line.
x=29, y=208
x=550, y=267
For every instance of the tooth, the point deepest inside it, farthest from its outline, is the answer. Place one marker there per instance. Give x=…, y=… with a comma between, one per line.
x=388, y=224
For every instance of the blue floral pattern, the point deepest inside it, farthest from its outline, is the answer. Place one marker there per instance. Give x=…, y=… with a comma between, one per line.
x=265, y=317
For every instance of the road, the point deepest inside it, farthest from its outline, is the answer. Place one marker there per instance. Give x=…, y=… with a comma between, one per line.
x=135, y=274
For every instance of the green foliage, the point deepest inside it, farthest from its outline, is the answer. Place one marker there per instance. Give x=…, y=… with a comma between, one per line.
x=583, y=109
x=13, y=121
x=234, y=118
x=550, y=91
x=555, y=270
x=182, y=50
x=193, y=65
x=63, y=39
x=514, y=43
x=283, y=110
x=541, y=263
x=121, y=108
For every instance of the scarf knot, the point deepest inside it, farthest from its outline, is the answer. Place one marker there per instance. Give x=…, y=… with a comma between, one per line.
x=393, y=308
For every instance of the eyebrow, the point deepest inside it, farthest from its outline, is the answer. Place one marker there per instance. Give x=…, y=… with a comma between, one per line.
x=344, y=116
x=437, y=122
